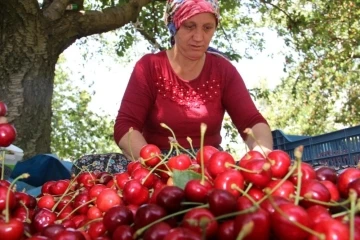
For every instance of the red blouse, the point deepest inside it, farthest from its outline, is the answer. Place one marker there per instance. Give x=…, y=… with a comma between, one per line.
x=155, y=94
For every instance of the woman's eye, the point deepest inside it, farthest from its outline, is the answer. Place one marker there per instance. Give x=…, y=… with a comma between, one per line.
x=190, y=26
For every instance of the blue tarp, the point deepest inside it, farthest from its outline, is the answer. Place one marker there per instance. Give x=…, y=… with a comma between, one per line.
x=41, y=168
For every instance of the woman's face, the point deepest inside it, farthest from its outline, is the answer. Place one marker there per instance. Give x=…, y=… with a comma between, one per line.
x=194, y=35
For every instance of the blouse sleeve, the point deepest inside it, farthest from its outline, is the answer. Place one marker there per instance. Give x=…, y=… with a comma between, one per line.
x=137, y=101
x=238, y=102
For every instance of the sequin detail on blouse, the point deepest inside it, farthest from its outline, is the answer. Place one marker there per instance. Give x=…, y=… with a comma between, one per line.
x=186, y=95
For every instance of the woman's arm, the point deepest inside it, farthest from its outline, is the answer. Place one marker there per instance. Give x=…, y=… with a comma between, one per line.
x=131, y=144
x=260, y=139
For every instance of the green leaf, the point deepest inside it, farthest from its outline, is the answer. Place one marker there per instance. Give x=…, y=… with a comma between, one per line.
x=181, y=177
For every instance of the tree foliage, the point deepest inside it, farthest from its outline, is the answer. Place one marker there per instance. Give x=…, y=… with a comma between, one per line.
x=321, y=90
x=76, y=129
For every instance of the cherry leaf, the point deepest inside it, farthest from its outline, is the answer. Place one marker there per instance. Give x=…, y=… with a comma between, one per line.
x=181, y=177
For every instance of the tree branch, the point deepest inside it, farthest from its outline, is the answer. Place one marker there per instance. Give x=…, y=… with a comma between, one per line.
x=56, y=9
x=149, y=38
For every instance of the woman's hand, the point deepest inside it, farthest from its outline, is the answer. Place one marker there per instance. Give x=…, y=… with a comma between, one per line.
x=260, y=138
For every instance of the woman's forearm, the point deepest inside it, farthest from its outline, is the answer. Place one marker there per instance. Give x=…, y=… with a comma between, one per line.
x=263, y=141
x=131, y=144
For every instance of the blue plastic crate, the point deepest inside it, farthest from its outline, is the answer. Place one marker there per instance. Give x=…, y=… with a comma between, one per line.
x=340, y=149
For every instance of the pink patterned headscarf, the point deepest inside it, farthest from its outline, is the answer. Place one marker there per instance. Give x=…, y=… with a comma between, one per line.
x=178, y=11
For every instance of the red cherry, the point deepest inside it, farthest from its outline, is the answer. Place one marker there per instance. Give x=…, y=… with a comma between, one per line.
x=135, y=193
x=313, y=189
x=121, y=179
x=3, y=198
x=146, y=178
x=284, y=228
x=28, y=200
x=259, y=172
x=104, y=177
x=226, y=230
x=45, y=188
x=256, y=193
x=3, y=109
x=250, y=155
x=147, y=214
x=170, y=198
x=7, y=134
x=46, y=201
x=200, y=220
x=228, y=180
x=51, y=230
x=13, y=229
x=268, y=206
x=59, y=187
x=181, y=233
x=221, y=202
x=334, y=192
x=69, y=234
x=325, y=173
x=355, y=185
x=123, y=232
x=286, y=189
x=331, y=229
x=86, y=179
x=96, y=229
x=317, y=213
x=219, y=162
x=179, y=162
x=107, y=199
x=307, y=172
x=259, y=218
x=81, y=202
x=345, y=178
x=208, y=151
x=42, y=218
x=96, y=190
x=157, y=231
x=94, y=213
x=132, y=166
x=197, y=190
x=150, y=154
x=280, y=163
x=116, y=216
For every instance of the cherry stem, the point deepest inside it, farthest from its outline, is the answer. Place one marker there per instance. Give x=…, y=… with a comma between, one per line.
x=298, y=155
x=63, y=195
x=271, y=191
x=140, y=231
x=26, y=210
x=352, y=197
x=244, y=193
x=299, y=225
x=22, y=176
x=203, y=128
x=234, y=214
x=328, y=204
x=67, y=204
x=245, y=230
x=77, y=208
x=227, y=164
x=90, y=222
x=173, y=135
x=190, y=143
x=177, y=145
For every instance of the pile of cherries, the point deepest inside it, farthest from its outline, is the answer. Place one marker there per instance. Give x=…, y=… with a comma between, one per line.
x=204, y=195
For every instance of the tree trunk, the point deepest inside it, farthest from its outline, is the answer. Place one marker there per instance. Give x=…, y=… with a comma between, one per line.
x=31, y=40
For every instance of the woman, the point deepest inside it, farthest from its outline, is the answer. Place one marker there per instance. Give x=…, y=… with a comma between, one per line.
x=183, y=87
